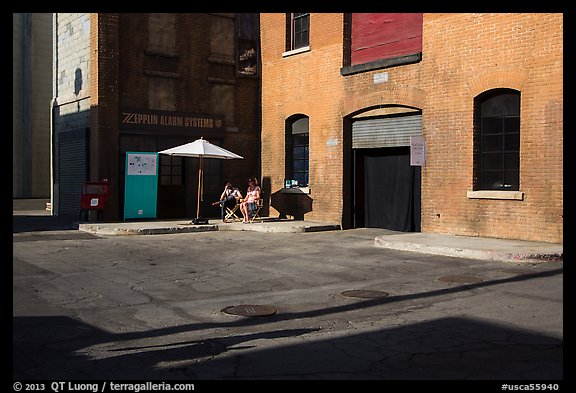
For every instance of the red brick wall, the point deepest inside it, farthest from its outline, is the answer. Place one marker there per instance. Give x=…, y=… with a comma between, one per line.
x=104, y=105
x=310, y=84
x=478, y=53
x=119, y=80
x=463, y=56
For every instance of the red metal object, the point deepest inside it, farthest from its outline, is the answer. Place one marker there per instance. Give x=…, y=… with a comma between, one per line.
x=94, y=195
x=385, y=35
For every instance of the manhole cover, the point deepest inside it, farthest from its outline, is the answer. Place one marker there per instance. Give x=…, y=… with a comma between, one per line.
x=364, y=293
x=47, y=334
x=460, y=279
x=250, y=310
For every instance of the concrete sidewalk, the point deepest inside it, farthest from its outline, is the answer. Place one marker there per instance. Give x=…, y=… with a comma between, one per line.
x=186, y=226
x=490, y=249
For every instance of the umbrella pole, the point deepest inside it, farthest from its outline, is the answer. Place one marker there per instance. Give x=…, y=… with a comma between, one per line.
x=199, y=187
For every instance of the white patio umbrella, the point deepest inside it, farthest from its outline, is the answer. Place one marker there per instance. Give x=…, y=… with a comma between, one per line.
x=201, y=148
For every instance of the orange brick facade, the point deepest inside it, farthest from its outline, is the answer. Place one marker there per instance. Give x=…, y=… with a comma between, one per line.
x=463, y=55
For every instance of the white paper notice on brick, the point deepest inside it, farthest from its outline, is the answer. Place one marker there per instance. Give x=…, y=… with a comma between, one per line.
x=141, y=164
x=417, y=151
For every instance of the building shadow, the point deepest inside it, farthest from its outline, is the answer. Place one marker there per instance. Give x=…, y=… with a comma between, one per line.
x=291, y=204
x=77, y=81
x=34, y=223
x=266, y=196
x=50, y=347
x=440, y=349
x=47, y=347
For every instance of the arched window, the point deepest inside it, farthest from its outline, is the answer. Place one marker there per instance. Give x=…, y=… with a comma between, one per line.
x=297, y=146
x=497, y=140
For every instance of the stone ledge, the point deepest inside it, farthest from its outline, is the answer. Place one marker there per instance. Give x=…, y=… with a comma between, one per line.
x=296, y=51
x=494, y=194
x=295, y=190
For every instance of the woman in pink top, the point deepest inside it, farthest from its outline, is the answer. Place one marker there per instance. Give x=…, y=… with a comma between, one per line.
x=248, y=205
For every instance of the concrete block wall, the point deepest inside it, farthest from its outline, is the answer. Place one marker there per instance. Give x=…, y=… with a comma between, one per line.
x=17, y=106
x=73, y=48
x=32, y=91
x=72, y=85
x=41, y=95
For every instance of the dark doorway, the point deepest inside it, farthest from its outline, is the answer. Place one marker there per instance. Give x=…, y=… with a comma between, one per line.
x=171, y=191
x=212, y=185
x=386, y=189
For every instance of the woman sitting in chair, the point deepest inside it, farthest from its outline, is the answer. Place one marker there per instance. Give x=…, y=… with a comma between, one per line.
x=249, y=204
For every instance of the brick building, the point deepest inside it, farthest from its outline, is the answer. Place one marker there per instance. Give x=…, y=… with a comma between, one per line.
x=345, y=94
x=115, y=72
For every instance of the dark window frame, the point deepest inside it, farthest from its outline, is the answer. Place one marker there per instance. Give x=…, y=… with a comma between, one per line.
x=297, y=160
x=171, y=171
x=496, y=145
x=297, y=29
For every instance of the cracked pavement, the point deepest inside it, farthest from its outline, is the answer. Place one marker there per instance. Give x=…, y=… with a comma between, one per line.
x=149, y=307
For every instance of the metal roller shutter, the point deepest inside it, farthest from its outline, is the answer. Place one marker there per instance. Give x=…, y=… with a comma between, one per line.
x=385, y=131
x=72, y=169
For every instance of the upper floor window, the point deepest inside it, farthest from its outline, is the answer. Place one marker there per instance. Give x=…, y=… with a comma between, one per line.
x=380, y=40
x=297, y=150
x=497, y=140
x=162, y=33
x=247, y=32
x=298, y=33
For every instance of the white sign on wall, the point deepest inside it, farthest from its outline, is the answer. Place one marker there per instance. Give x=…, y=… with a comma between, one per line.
x=417, y=151
x=141, y=164
x=380, y=78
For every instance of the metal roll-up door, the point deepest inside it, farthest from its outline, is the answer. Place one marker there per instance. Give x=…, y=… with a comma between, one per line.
x=72, y=149
x=385, y=131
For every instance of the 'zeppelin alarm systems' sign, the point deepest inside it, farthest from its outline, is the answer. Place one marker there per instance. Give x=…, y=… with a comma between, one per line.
x=156, y=120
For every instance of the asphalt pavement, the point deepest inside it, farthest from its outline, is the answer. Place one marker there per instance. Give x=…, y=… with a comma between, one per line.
x=93, y=306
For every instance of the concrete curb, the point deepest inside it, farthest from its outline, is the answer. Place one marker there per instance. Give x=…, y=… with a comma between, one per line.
x=119, y=231
x=258, y=227
x=156, y=228
x=547, y=253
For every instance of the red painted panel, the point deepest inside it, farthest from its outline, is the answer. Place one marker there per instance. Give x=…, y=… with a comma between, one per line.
x=379, y=36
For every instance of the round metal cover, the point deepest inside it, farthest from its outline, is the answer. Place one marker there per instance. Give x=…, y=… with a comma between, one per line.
x=364, y=293
x=460, y=279
x=250, y=310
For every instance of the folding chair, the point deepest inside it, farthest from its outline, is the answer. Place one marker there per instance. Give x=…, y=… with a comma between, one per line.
x=255, y=215
x=231, y=213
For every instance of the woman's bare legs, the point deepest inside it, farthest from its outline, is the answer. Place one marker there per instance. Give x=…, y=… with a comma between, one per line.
x=244, y=210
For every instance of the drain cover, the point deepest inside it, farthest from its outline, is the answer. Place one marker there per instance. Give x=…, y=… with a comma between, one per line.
x=364, y=293
x=250, y=310
x=460, y=279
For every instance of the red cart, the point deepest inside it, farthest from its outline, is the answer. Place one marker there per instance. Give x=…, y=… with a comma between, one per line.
x=94, y=196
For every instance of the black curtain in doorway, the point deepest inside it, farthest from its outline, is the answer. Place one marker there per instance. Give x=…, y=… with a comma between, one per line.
x=392, y=190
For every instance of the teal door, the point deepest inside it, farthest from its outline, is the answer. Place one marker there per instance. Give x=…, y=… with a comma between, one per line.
x=141, y=185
